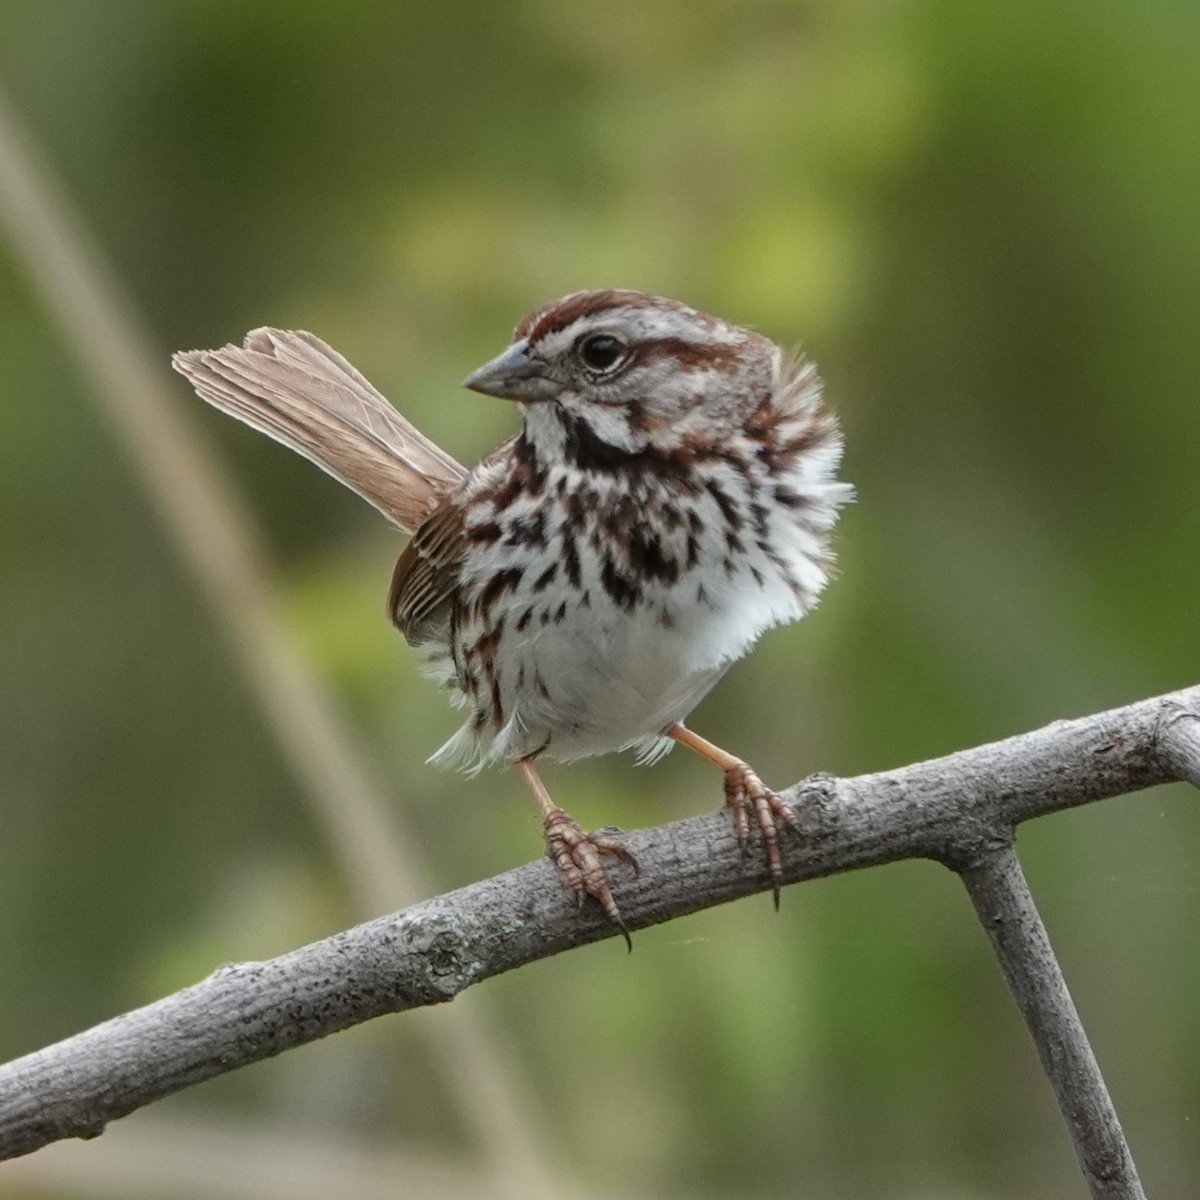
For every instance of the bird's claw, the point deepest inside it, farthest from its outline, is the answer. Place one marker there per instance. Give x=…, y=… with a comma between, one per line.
x=747, y=797
x=581, y=872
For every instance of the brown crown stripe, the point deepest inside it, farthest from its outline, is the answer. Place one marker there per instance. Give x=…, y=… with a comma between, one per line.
x=550, y=319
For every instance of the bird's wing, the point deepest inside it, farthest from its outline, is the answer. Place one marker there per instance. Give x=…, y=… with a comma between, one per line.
x=427, y=575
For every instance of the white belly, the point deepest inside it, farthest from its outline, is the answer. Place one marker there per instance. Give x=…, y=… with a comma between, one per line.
x=605, y=681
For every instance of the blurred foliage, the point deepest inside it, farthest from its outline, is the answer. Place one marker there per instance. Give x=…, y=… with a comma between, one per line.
x=982, y=220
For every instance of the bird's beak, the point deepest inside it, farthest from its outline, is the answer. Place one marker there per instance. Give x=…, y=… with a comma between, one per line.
x=513, y=375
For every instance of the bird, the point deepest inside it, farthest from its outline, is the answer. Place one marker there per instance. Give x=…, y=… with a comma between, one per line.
x=670, y=496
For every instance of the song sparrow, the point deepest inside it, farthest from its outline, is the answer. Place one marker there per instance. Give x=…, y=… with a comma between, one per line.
x=669, y=498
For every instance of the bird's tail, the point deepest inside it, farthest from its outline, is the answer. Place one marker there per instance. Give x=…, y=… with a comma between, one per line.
x=294, y=388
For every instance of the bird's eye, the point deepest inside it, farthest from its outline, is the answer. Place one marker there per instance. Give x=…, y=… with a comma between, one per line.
x=600, y=351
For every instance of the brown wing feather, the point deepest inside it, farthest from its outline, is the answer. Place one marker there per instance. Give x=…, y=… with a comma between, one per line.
x=427, y=575
x=296, y=389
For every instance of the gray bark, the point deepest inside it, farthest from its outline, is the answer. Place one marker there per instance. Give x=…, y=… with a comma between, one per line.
x=1006, y=910
x=960, y=810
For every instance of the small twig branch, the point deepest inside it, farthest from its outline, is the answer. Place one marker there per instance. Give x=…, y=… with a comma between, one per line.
x=1007, y=912
x=956, y=810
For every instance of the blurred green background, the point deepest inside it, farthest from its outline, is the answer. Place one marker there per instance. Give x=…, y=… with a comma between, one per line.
x=982, y=220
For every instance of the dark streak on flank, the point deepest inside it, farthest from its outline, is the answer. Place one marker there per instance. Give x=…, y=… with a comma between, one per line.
x=760, y=514
x=497, y=705
x=623, y=591
x=455, y=624
x=646, y=558
x=724, y=503
x=571, y=558
x=530, y=532
x=485, y=648
x=790, y=499
x=501, y=582
x=488, y=531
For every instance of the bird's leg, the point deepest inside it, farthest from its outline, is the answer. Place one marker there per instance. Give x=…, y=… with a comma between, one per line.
x=575, y=853
x=746, y=796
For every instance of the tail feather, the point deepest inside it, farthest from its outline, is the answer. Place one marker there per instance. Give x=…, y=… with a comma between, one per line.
x=296, y=389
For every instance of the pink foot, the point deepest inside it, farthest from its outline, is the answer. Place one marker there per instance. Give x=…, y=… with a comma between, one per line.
x=576, y=854
x=748, y=798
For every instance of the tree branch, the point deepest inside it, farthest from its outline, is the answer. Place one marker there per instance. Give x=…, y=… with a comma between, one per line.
x=1007, y=912
x=955, y=810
